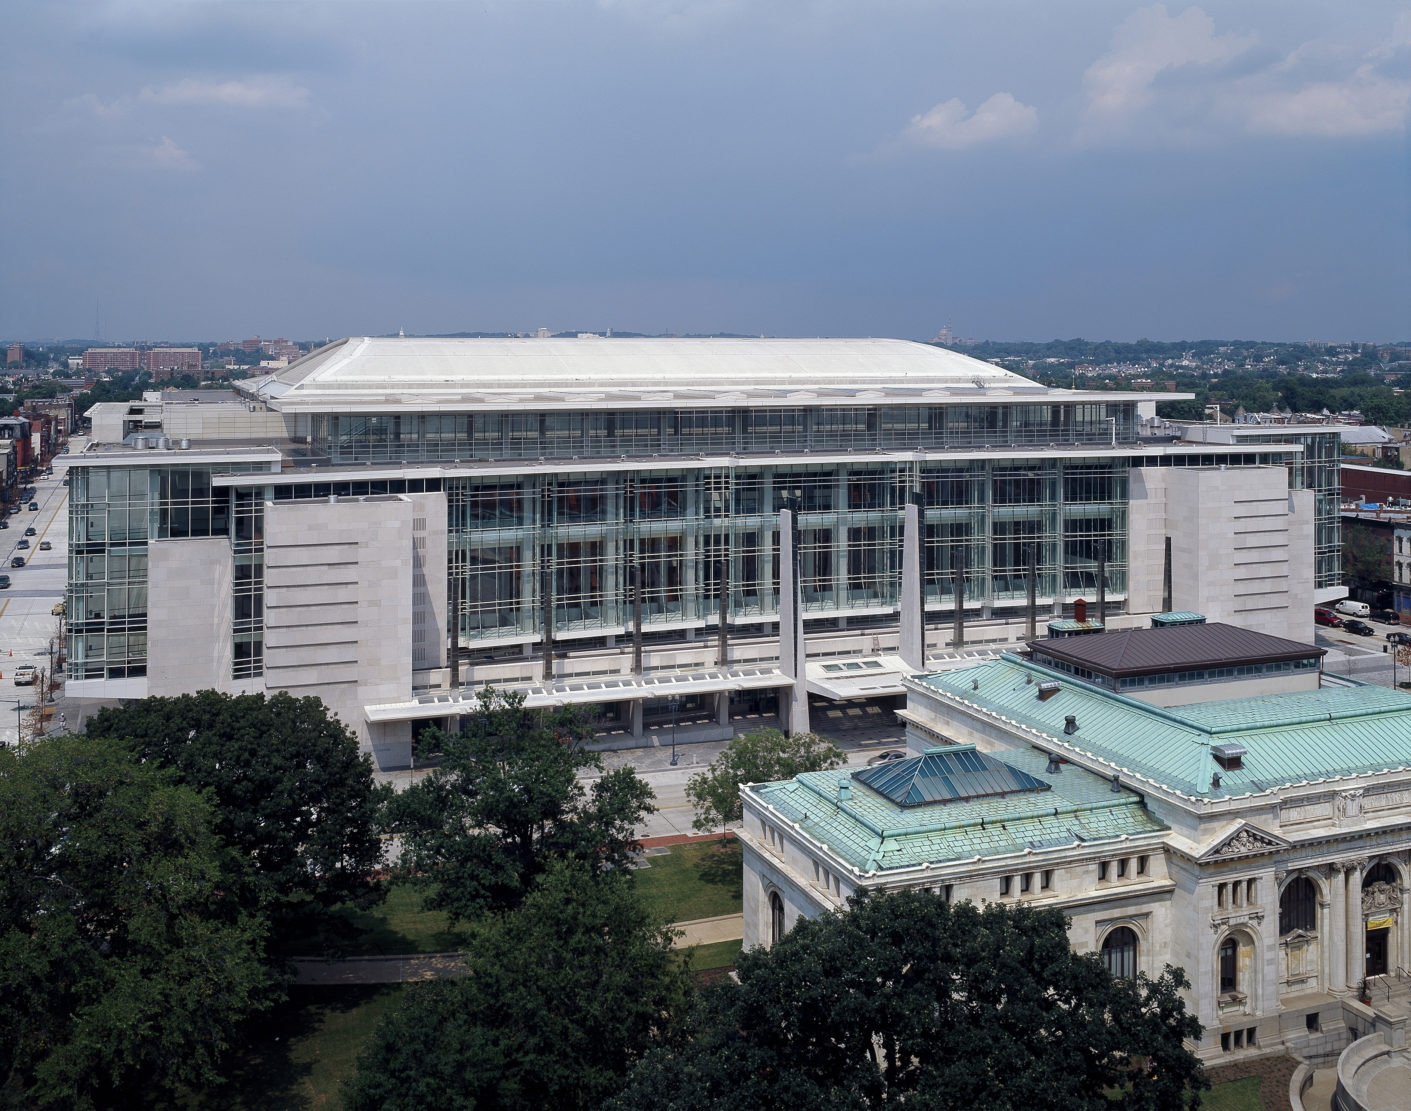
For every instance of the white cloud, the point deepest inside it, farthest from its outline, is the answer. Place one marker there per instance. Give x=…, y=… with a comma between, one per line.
x=264, y=92
x=166, y=155
x=1367, y=103
x=1165, y=81
x=257, y=92
x=949, y=126
x=1148, y=43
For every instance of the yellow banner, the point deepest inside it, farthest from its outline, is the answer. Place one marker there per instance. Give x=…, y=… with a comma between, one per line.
x=1380, y=923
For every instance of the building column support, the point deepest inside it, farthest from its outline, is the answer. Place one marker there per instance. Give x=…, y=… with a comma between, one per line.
x=793, y=652
x=1337, y=934
x=913, y=587
x=636, y=717
x=1356, y=925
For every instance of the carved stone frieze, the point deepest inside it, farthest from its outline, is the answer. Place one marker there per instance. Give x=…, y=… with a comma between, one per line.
x=1246, y=841
x=1347, y=806
x=1380, y=897
x=1254, y=917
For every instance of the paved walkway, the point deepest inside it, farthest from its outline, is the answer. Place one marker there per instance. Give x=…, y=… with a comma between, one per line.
x=413, y=967
x=707, y=931
x=378, y=970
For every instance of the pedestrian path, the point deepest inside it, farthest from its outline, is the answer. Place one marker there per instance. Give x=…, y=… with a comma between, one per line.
x=408, y=968
x=403, y=969
x=707, y=931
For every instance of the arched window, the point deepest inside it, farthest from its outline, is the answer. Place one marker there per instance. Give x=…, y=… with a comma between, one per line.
x=1229, y=965
x=1119, y=953
x=1298, y=906
x=776, y=917
x=1381, y=872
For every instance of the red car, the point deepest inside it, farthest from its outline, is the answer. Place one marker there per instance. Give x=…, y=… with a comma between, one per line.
x=1327, y=617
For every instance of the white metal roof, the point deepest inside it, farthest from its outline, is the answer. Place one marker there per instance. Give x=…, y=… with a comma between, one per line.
x=371, y=374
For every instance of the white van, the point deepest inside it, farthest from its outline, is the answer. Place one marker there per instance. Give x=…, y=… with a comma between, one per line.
x=1353, y=609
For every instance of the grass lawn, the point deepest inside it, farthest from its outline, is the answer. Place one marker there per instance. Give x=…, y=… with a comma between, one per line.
x=718, y=954
x=1234, y=1095
x=395, y=925
x=702, y=879
x=301, y=1054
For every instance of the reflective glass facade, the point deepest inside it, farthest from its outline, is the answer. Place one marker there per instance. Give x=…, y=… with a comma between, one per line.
x=567, y=542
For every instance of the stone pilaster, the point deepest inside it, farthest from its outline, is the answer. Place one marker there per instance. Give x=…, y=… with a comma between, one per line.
x=1337, y=932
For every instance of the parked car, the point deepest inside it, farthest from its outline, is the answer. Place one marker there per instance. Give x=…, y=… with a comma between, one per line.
x=1361, y=628
x=31, y=531
x=34, y=507
x=1327, y=617
x=22, y=543
x=17, y=561
x=25, y=675
x=65, y=482
x=45, y=546
x=4, y=523
x=887, y=757
x=1386, y=617
x=4, y=582
x=1353, y=609
x=1396, y=637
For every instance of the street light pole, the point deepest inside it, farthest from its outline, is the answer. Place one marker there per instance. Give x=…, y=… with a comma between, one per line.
x=674, y=703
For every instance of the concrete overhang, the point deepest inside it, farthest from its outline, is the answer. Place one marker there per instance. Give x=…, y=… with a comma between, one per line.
x=583, y=692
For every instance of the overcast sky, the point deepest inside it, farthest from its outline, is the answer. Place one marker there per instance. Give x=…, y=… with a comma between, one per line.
x=792, y=167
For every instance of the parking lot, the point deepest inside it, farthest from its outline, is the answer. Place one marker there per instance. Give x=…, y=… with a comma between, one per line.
x=30, y=632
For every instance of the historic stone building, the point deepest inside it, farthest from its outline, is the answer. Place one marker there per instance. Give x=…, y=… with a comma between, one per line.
x=1201, y=795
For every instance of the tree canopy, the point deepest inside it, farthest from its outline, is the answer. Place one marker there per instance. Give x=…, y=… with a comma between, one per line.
x=506, y=801
x=759, y=757
x=561, y=997
x=295, y=797
x=904, y=1000
x=125, y=967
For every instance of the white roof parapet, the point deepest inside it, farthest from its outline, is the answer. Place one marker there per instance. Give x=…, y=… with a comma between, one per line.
x=468, y=374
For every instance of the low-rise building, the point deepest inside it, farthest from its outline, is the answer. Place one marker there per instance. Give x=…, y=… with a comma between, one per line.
x=1239, y=814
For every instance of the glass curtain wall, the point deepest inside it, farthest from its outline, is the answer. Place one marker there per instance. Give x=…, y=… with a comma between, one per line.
x=447, y=437
x=113, y=513
x=566, y=542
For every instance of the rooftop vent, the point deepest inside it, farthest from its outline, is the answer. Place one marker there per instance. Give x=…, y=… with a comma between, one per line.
x=844, y=788
x=1048, y=688
x=1070, y=724
x=1229, y=756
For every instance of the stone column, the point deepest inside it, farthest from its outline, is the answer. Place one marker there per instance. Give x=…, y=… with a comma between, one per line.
x=913, y=587
x=1356, y=925
x=793, y=651
x=1337, y=932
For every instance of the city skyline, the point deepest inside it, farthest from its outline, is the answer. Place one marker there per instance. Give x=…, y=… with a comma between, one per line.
x=801, y=168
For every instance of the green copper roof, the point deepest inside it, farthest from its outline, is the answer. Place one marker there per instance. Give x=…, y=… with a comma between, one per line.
x=1290, y=738
x=946, y=774
x=875, y=834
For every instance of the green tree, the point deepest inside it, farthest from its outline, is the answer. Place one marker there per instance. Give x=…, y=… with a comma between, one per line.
x=759, y=757
x=295, y=796
x=506, y=801
x=125, y=967
x=903, y=1000
x=562, y=996
x=1366, y=555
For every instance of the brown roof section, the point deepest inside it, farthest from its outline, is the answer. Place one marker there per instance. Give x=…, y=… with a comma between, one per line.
x=1181, y=648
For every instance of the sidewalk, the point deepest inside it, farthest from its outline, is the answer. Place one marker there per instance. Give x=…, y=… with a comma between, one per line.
x=415, y=967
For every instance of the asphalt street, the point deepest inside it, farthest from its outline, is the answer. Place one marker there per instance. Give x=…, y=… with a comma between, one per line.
x=28, y=626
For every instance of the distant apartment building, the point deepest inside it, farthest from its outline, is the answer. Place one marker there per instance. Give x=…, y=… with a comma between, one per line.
x=14, y=354
x=112, y=358
x=163, y=362
x=167, y=362
x=15, y=434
